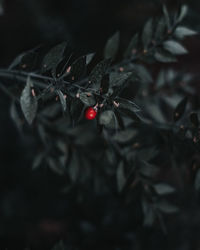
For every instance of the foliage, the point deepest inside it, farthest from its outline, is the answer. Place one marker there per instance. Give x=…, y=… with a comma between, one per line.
x=144, y=125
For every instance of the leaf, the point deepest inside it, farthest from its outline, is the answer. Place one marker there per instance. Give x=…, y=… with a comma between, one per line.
x=74, y=165
x=180, y=109
x=163, y=189
x=174, y=47
x=87, y=98
x=53, y=58
x=127, y=104
x=112, y=46
x=78, y=68
x=121, y=179
x=181, y=32
x=147, y=33
x=130, y=114
x=89, y=58
x=132, y=47
x=160, y=82
x=166, y=207
x=25, y=61
x=15, y=116
x=108, y=119
x=117, y=79
x=55, y=166
x=160, y=29
x=105, y=82
x=197, y=181
x=37, y=161
x=183, y=13
x=149, y=214
x=76, y=109
x=98, y=72
x=125, y=135
x=62, y=100
x=148, y=169
x=164, y=57
x=143, y=74
x=194, y=119
x=28, y=102
x=166, y=15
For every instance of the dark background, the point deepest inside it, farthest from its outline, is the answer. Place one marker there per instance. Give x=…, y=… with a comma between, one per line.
x=32, y=212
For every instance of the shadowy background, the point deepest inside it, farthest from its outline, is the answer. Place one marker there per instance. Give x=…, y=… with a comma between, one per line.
x=32, y=212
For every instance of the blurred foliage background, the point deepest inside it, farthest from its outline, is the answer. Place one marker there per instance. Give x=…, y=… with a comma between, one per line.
x=32, y=211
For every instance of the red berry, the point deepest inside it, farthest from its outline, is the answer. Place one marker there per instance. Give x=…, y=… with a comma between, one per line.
x=90, y=113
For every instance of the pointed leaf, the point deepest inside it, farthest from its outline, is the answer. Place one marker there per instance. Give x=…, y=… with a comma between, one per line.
x=163, y=189
x=181, y=32
x=132, y=47
x=174, y=47
x=28, y=102
x=147, y=33
x=112, y=46
x=62, y=100
x=180, y=109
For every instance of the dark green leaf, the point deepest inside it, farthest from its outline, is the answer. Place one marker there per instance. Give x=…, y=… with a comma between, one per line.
x=174, y=47
x=194, y=119
x=105, y=84
x=89, y=58
x=183, y=13
x=163, y=189
x=53, y=58
x=108, y=119
x=166, y=207
x=28, y=102
x=37, y=161
x=76, y=109
x=182, y=32
x=98, y=72
x=78, y=68
x=15, y=116
x=166, y=15
x=132, y=47
x=147, y=33
x=112, y=46
x=117, y=79
x=160, y=29
x=180, y=109
x=125, y=136
x=164, y=57
x=87, y=98
x=55, y=166
x=149, y=215
x=143, y=73
x=62, y=100
x=121, y=179
x=147, y=170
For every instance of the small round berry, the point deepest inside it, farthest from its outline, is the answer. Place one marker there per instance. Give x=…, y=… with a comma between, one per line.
x=90, y=113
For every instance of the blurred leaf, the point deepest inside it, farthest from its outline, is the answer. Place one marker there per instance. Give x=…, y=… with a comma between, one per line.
x=148, y=169
x=112, y=46
x=147, y=33
x=160, y=29
x=76, y=109
x=166, y=15
x=132, y=46
x=15, y=116
x=183, y=13
x=55, y=166
x=143, y=73
x=174, y=47
x=181, y=32
x=89, y=58
x=28, y=102
x=164, y=57
x=149, y=215
x=121, y=179
x=166, y=207
x=194, y=119
x=62, y=100
x=180, y=109
x=37, y=161
x=163, y=189
x=125, y=135
x=105, y=82
x=108, y=119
